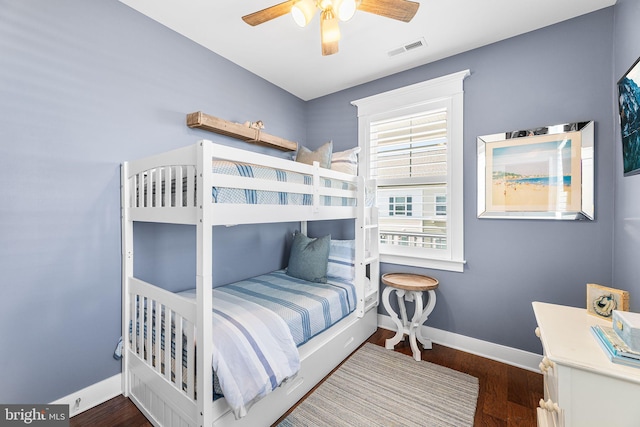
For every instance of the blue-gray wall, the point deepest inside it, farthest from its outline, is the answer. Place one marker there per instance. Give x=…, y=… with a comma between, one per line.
x=554, y=75
x=626, y=271
x=86, y=85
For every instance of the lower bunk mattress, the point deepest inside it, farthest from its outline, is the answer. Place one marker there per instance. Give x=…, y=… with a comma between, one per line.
x=257, y=325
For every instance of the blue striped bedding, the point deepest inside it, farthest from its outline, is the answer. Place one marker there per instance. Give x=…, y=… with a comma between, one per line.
x=307, y=308
x=291, y=312
x=248, y=196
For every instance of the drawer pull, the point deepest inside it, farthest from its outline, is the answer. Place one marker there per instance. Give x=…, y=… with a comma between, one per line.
x=348, y=342
x=549, y=406
x=291, y=386
x=537, y=332
x=546, y=364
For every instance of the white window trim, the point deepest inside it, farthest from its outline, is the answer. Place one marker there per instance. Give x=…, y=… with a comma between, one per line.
x=423, y=94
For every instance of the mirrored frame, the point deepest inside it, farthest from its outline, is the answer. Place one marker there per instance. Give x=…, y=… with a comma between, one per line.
x=542, y=173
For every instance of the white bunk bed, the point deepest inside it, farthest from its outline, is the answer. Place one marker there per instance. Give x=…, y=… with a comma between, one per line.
x=176, y=187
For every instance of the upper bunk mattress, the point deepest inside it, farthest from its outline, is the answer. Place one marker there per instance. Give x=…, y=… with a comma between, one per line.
x=177, y=186
x=249, y=196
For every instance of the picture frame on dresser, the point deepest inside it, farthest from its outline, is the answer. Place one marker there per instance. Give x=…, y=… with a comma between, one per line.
x=541, y=173
x=629, y=111
x=602, y=300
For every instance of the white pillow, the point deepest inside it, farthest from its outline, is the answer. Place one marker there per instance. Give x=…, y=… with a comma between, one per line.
x=346, y=161
x=342, y=259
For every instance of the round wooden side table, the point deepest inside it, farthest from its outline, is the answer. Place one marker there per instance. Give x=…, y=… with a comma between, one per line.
x=409, y=287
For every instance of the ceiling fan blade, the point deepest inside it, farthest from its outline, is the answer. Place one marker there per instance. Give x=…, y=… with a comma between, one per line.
x=402, y=10
x=269, y=13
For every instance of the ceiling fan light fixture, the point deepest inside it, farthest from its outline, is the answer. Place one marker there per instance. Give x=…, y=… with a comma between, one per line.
x=331, y=12
x=303, y=12
x=329, y=26
x=329, y=32
x=346, y=9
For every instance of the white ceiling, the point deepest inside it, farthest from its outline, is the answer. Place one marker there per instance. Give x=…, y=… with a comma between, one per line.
x=290, y=57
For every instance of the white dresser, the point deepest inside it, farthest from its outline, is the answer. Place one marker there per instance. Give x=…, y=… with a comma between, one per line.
x=582, y=388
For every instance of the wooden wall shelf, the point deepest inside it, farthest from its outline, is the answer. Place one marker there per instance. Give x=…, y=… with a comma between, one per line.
x=204, y=121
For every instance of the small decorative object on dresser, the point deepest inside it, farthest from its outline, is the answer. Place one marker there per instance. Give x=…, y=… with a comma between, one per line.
x=601, y=300
x=627, y=326
x=614, y=347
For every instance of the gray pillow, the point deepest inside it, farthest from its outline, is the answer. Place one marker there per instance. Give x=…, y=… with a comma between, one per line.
x=322, y=155
x=308, y=258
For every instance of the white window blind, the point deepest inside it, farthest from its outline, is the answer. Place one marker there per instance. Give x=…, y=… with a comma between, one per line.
x=408, y=158
x=412, y=144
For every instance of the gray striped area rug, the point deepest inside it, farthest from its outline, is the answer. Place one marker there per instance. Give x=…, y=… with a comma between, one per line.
x=379, y=387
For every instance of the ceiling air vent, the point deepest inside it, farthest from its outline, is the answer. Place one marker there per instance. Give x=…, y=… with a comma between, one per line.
x=407, y=47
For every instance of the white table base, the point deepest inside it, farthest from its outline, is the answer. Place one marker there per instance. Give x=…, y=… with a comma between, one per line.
x=403, y=326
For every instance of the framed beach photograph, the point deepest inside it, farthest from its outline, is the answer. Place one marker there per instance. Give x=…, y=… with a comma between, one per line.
x=602, y=300
x=542, y=173
x=629, y=110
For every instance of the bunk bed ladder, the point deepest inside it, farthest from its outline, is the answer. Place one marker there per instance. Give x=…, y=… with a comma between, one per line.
x=367, y=248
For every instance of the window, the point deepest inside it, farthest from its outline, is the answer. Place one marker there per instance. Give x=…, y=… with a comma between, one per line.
x=440, y=204
x=400, y=206
x=411, y=142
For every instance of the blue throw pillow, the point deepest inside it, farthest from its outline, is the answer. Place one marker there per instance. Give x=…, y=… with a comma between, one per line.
x=308, y=258
x=342, y=259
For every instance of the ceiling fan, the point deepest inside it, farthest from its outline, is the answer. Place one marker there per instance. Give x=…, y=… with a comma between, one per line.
x=332, y=11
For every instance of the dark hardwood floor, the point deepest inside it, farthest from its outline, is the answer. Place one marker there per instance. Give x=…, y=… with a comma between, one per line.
x=508, y=395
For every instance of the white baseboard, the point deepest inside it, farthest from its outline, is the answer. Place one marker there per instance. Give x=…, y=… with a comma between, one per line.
x=511, y=356
x=92, y=396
